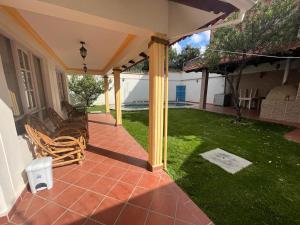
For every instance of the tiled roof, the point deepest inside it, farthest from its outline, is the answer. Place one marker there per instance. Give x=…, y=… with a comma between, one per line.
x=197, y=63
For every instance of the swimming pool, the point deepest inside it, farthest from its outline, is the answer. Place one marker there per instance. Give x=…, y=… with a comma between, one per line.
x=145, y=105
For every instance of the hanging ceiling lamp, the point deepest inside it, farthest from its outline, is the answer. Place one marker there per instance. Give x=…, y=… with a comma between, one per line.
x=83, y=51
x=84, y=68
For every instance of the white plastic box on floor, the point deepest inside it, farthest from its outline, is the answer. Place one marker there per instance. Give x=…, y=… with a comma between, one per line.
x=39, y=173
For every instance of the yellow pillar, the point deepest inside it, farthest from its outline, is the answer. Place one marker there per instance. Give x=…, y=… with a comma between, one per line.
x=166, y=110
x=106, y=93
x=117, y=96
x=157, y=54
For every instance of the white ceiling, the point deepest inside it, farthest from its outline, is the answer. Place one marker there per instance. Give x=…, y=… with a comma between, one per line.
x=114, y=34
x=64, y=37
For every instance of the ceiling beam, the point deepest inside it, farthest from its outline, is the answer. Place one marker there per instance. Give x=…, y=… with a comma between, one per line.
x=143, y=54
x=131, y=61
x=81, y=72
x=12, y=12
x=25, y=25
x=127, y=41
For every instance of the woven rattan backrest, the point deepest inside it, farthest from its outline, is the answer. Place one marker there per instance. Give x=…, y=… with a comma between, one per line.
x=56, y=119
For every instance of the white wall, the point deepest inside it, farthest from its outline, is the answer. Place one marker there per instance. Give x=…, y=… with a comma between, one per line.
x=135, y=87
x=14, y=150
x=14, y=153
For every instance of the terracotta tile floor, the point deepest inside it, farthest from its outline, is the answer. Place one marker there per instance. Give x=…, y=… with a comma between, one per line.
x=294, y=135
x=111, y=187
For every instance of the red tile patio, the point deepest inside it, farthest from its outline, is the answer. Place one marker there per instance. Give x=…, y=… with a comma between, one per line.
x=294, y=135
x=111, y=187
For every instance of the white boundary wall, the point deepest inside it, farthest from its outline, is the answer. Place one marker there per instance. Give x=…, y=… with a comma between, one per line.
x=135, y=87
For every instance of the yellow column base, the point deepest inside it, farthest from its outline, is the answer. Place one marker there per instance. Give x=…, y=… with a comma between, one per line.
x=106, y=93
x=117, y=84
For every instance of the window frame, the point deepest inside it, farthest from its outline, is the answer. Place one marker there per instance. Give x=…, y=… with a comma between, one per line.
x=34, y=88
x=61, y=83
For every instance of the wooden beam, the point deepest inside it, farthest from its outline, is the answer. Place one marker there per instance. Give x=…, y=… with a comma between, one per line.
x=119, y=51
x=80, y=71
x=12, y=12
x=131, y=62
x=144, y=55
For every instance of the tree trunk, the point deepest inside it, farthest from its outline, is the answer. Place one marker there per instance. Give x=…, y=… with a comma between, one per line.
x=235, y=92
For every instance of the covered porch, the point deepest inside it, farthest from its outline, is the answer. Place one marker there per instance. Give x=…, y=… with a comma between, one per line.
x=112, y=186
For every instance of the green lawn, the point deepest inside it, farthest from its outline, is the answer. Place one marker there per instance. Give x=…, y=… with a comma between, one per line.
x=96, y=108
x=267, y=192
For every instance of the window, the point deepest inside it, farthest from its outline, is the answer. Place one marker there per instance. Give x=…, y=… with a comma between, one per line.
x=37, y=64
x=23, y=72
x=61, y=86
x=26, y=78
x=11, y=76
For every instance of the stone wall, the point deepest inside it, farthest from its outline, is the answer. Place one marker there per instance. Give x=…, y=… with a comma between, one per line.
x=281, y=110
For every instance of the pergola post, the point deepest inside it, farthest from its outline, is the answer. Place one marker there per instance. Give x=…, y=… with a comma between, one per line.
x=204, y=84
x=157, y=56
x=106, y=93
x=117, y=86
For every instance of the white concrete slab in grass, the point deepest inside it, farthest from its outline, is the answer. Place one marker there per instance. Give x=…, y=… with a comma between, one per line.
x=227, y=161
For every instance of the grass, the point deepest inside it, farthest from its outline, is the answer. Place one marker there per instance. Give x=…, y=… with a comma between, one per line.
x=96, y=108
x=267, y=192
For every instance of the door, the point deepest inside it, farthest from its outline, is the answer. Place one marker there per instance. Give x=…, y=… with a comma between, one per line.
x=180, y=93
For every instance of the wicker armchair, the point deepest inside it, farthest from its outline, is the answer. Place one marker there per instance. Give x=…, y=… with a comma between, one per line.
x=60, y=123
x=64, y=150
x=37, y=124
x=72, y=112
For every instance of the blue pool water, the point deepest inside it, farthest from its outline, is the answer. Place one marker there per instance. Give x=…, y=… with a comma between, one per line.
x=141, y=106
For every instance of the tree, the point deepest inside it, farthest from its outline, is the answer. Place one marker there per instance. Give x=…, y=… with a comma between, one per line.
x=187, y=54
x=177, y=60
x=140, y=67
x=266, y=29
x=86, y=88
x=173, y=58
